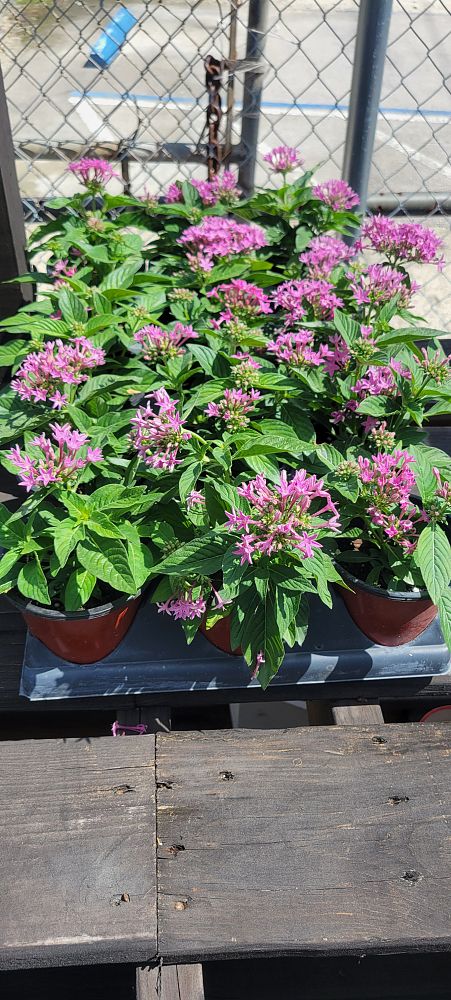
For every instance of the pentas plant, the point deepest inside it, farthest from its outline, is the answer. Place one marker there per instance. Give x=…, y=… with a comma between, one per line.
x=256, y=550
x=395, y=508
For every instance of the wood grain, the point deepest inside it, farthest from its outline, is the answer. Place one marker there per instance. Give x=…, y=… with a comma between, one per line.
x=77, y=862
x=353, y=714
x=331, y=840
x=170, y=982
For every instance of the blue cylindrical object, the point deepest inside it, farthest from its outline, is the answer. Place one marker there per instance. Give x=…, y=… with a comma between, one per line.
x=109, y=43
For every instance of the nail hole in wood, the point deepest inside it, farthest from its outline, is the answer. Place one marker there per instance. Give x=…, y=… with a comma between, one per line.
x=411, y=875
x=394, y=800
x=378, y=739
x=226, y=776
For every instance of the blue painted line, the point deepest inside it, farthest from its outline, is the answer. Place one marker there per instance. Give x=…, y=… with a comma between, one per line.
x=110, y=42
x=302, y=106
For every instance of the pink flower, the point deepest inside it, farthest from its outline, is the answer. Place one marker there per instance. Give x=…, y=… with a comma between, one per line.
x=242, y=300
x=435, y=366
x=295, y=296
x=41, y=376
x=157, y=343
x=283, y=159
x=61, y=270
x=297, y=349
x=284, y=516
x=219, y=236
x=379, y=283
x=92, y=171
x=173, y=194
x=234, y=407
x=338, y=354
x=157, y=436
x=223, y=188
x=54, y=464
x=243, y=373
x=380, y=380
x=184, y=607
x=195, y=499
x=336, y=194
x=406, y=241
x=325, y=253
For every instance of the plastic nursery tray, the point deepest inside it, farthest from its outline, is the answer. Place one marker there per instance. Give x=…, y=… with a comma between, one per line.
x=154, y=658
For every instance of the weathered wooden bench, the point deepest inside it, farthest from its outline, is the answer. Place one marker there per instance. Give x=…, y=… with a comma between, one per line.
x=184, y=848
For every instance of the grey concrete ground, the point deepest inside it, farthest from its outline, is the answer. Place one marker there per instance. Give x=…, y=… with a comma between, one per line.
x=54, y=98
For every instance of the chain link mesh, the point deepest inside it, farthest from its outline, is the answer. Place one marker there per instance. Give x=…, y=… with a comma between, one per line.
x=147, y=106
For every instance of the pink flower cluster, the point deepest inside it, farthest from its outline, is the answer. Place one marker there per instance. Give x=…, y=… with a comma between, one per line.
x=62, y=269
x=157, y=343
x=297, y=349
x=183, y=607
x=443, y=489
x=406, y=241
x=218, y=236
x=380, y=283
x=223, y=188
x=388, y=482
x=54, y=464
x=158, y=434
x=338, y=354
x=325, y=253
x=283, y=159
x=295, y=296
x=234, y=407
x=336, y=194
x=92, y=171
x=285, y=516
x=242, y=301
x=41, y=376
x=435, y=366
x=380, y=380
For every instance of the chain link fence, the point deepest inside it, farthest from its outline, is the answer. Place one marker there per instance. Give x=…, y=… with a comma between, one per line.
x=287, y=81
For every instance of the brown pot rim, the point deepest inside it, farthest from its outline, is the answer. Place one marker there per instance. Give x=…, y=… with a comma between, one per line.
x=393, y=595
x=27, y=607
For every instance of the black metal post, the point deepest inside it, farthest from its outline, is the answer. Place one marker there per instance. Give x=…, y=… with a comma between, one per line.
x=369, y=59
x=12, y=230
x=252, y=94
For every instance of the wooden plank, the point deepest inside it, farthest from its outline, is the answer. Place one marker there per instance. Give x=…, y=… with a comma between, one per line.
x=77, y=862
x=331, y=840
x=354, y=714
x=12, y=230
x=170, y=982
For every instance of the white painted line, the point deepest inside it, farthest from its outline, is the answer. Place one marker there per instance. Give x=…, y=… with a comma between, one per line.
x=413, y=153
x=92, y=121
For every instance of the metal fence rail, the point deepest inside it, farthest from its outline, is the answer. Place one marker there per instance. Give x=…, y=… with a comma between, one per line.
x=285, y=68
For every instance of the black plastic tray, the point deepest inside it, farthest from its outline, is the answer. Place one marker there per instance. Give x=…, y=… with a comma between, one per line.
x=154, y=658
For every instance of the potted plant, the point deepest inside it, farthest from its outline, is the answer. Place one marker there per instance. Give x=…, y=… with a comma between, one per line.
x=73, y=558
x=395, y=553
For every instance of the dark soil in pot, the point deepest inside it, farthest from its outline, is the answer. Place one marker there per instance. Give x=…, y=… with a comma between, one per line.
x=80, y=636
x=387, y=617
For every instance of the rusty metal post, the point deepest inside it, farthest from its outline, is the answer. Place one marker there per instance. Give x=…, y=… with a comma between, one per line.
x=213, y=74
x=231, y=80
x=253, y=88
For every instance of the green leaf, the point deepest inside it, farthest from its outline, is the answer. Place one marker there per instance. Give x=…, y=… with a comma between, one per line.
x=102, y=525
x=201, y=555
x=409, y=334
x=13, y=351
x=101, y=304
x=109, y=562
x=66, y=536
x=204, y=355
x=79, y=588
x=422, y=468
x=433, y=558
x=32, y=583
x=140, y=561
x=8, y=561
x=100, y=384
x=121, y=277
x=444, y=608
x=374, y=406
x=188, y=479
x=348, y=327
x=71, y=307
x=329, y=456
x=303, y=237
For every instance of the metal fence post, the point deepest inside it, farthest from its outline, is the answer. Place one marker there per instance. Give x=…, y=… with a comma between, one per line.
x=12, y=230
x=369, y=58
x=252, y=94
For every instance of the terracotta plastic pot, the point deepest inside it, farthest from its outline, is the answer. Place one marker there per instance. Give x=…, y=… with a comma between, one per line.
x=388, y=617
x=219, y=636
x=440, y=714
x=80, y=636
